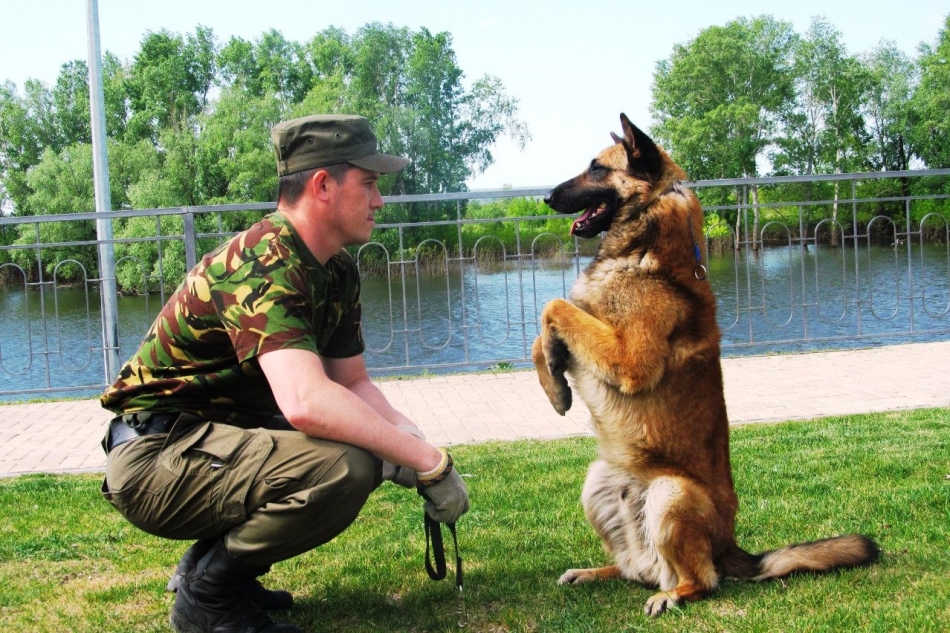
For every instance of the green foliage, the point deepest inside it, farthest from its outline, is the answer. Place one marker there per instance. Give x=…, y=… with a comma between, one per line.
x=717, y=98
x=189, y=121
x=142, y=265
x=753, y=93
x=548, y=235
x=931, y=101
x=169, y=81
x=63, y=184
x=887, y=108
x=823, y=127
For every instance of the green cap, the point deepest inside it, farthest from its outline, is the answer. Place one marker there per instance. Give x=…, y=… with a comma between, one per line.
x=327, y=139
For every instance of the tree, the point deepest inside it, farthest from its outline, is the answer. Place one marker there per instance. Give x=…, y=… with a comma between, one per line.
x=27, y=129
x=70, y=97
x=233, y=129
x=410, y=86
x=886, y=107
x=823, y=130
x=271, y=66
x=60, y=183
x=930, y=103
x=717, y=99
x=169, y=82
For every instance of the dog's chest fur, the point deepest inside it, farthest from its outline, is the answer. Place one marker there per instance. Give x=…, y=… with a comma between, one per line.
x=609, y=284
x=610, y=290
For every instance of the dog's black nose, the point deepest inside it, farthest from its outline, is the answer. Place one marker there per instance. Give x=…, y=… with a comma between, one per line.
x=547, y=198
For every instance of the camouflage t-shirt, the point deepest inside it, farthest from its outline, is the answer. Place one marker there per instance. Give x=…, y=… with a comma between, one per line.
x=261, y=291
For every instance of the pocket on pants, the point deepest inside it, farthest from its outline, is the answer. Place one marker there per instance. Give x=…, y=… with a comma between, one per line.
x=135, y=467
x=239, y=479
x=230, y=458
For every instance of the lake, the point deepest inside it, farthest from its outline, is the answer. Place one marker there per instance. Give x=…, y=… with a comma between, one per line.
x=785, y=299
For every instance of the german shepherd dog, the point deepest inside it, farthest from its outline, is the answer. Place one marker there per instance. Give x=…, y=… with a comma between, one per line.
x=640, y=341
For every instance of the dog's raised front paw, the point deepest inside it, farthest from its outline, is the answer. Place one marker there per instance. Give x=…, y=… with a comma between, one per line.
x=559, y=393
x=553, y=382
x=556, y=354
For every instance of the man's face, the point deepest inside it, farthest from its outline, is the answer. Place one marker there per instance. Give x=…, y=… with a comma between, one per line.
x=356, y=201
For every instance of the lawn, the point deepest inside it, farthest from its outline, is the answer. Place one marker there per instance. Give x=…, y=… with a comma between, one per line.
x=68, y=562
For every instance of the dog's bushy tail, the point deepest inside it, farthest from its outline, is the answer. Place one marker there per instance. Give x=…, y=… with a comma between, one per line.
x=853, y=550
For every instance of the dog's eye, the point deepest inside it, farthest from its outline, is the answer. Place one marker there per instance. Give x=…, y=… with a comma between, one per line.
x=596, y=167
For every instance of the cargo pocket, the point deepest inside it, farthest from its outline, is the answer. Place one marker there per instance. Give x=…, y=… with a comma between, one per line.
x=232, y=457
x=139, y=476
x=135, y=467
x=172, y=458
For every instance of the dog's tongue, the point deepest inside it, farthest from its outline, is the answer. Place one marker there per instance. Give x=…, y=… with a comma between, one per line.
x=589, y=211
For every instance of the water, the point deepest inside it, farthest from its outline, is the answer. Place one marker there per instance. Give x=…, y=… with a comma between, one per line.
x=783, y=300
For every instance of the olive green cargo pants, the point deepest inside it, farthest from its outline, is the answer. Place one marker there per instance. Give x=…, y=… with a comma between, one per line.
x=270, y=495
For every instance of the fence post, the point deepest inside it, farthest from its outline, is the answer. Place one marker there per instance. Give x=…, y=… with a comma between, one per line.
x=100, y=160
x=191, y=239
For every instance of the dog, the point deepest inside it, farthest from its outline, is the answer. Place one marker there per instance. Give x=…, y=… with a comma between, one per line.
x=640, y=342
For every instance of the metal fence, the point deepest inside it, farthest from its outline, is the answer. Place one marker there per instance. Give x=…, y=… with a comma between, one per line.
x=455, y=290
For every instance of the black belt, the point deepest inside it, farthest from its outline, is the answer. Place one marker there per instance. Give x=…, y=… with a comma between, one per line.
x=129, y=426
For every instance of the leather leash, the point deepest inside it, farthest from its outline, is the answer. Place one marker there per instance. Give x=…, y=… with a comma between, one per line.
x=435, y=561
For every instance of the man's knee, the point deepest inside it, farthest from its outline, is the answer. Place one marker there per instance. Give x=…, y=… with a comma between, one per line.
x=349, y=481
x=310, y=516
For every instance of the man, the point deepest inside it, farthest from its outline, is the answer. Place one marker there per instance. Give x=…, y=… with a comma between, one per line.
x=247, y=419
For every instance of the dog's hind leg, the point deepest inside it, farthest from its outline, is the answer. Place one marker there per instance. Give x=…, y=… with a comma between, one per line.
x=679, y=518
x=612, y=504
x=580, y=576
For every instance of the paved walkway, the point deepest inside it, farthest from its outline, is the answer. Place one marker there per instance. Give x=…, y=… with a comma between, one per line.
x=63, y=437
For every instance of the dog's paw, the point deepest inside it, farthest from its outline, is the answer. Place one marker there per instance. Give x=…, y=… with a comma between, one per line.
x=559, y=393
x=659, y=603
x=550, y=357
x=556, y=354
x=575, y=577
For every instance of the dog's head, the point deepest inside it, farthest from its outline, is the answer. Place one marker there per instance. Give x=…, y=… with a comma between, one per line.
x=622, y=177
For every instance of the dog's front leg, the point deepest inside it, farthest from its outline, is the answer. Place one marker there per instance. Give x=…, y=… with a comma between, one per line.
x=630, y=356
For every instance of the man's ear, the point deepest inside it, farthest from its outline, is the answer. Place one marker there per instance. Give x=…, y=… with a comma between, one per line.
x=318, y=184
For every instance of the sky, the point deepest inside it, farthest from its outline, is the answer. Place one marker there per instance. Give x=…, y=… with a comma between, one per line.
x=572, y=66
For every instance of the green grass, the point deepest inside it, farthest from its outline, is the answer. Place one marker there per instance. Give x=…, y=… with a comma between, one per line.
x=68, y=562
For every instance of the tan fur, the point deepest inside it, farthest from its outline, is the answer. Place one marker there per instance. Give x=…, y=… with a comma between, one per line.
x=640, y=341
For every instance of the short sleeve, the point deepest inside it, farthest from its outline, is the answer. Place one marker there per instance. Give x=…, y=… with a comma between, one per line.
x=346, y=339
x=265, y=307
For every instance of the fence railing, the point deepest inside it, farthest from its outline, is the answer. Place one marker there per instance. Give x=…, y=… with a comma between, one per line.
x=839, y=265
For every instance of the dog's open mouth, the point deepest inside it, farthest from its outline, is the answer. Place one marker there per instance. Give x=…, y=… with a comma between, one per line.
x=587, y=224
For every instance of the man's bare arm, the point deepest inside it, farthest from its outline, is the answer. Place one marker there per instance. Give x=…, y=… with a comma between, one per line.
x=350, y=411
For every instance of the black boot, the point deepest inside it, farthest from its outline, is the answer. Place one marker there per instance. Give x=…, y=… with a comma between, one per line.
x=261, y=597
x=209, y=599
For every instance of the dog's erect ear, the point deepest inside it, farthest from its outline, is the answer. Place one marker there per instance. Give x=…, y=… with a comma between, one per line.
x=642, y=153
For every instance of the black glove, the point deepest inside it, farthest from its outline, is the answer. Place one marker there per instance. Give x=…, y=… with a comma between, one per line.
x=444, y=491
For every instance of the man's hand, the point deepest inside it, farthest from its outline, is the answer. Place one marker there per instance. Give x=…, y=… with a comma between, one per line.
x=401, y=475
x=444, y=491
